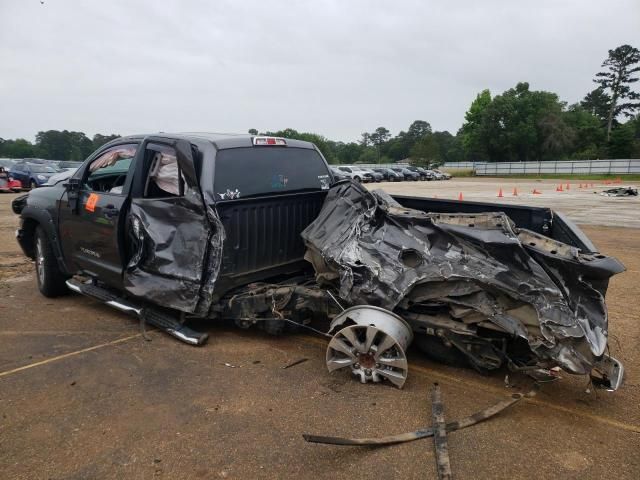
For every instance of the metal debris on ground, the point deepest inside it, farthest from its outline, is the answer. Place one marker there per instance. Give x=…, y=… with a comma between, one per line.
x=440, y=434
x=620, y=192
x=293, y=364
x=231, y=365
x=465, y=422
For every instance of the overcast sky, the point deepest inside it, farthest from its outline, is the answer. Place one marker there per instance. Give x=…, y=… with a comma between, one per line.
x=337, y=68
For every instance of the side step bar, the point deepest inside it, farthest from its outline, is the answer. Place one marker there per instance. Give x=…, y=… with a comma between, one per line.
x=154, y=317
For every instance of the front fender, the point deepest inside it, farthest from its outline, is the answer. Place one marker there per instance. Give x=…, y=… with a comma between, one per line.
x=30, y=218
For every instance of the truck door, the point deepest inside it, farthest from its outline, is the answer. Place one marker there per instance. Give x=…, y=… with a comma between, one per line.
x=90, y=226
x=169, y=231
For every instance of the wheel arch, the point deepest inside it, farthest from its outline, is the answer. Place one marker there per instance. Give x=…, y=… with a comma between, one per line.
x=32, y=219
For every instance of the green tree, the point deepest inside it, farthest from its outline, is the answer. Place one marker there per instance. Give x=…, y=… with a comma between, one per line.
x=368, y=155
x=624, y=142
x=426, y=151
x=100, y=140
x=470, y=132
x=253, y=131
x=449, y=147
x=589, y=141
x=18, y=148
x=622, y=63
x=598, y=103
x=418, y=129
x=378, y=138
x=347, y=152
x=321, y=142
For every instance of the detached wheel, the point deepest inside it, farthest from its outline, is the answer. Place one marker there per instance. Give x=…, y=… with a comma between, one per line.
x=33, y=185
x=51, y=281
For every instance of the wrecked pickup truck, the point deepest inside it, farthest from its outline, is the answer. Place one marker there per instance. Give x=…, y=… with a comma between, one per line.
x=254, y=229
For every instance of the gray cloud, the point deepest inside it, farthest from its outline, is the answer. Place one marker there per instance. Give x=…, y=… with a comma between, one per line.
x=337, y=68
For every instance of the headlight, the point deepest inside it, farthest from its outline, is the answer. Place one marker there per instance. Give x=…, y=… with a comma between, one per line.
x=42, y=177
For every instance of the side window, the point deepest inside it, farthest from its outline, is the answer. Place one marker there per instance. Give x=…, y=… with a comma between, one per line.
x=164, y=176
x=108, y=172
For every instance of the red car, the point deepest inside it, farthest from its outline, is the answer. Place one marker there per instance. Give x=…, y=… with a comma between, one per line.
x=8, y=184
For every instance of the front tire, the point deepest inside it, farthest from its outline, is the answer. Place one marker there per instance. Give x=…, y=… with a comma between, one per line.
x=51, y=281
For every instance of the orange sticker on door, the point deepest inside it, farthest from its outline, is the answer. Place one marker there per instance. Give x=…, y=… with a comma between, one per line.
x=90, y=206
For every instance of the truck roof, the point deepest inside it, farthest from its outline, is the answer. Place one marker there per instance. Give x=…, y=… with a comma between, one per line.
x=219, y=140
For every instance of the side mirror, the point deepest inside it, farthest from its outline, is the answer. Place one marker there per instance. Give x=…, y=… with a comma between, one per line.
x=72, y=185
x=73, y=188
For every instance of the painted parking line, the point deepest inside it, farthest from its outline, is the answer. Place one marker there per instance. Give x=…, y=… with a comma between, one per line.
x=317, y=342
x=67, y=355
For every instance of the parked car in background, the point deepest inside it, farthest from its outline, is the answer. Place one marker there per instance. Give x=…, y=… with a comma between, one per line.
x=377, y=176
x=406, y=173
x=424, y=174
x=63, y=174
x=389, y=175
x=357, y=174
x=338, y=174
x=7, y=163
x=32, y=175
x=443, y=175
x=66, y=164
x=8, y=184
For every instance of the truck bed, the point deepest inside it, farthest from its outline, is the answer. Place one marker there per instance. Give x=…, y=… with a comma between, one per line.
x=263, y=233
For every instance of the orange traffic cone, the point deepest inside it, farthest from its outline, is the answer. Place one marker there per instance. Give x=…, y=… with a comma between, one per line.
x=580, y=186
x=559, y=188
x=500, y=193
x=568, y=187
x=536, y=192
x=460, y=196
x=515, y=192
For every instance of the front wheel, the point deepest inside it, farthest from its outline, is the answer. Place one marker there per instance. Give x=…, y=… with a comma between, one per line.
x=51, y=281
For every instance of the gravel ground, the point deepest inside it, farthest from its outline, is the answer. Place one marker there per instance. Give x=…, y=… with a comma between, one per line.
x=82, y=395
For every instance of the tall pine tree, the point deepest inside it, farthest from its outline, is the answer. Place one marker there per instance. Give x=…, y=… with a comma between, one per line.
x=621, y=65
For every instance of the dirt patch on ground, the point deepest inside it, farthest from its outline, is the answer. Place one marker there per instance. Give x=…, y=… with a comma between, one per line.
x=82, y=395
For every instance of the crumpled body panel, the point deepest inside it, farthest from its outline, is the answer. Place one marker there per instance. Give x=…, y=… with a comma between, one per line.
x=176, y=253
x=478, y=268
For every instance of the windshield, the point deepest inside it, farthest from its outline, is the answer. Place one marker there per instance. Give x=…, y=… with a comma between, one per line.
x=250, y=171
x=42, y=169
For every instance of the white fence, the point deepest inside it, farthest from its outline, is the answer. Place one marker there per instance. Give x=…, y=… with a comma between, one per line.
x=584, y=167
x=460, y=165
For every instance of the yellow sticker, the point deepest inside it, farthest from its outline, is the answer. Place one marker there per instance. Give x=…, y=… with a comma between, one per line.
x=90, y=206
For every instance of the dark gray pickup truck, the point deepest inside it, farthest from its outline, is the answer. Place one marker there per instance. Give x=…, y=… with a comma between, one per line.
x=254, y=229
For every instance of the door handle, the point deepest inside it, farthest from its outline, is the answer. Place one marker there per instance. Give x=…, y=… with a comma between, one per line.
x=110, y=211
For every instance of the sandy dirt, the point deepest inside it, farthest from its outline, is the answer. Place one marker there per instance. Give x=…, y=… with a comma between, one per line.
x=82, y=395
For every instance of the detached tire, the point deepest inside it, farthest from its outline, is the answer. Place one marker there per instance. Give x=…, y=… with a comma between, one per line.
x=51, y=281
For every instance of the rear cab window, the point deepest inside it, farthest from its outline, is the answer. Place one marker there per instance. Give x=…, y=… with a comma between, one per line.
x=254, y=171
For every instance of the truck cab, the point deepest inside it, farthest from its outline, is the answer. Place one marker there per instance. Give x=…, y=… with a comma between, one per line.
x=162, y=217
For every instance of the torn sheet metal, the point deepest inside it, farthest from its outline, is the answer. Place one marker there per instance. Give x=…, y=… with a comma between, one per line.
x=176, y=245
x=495, y=292
x=620, y=192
